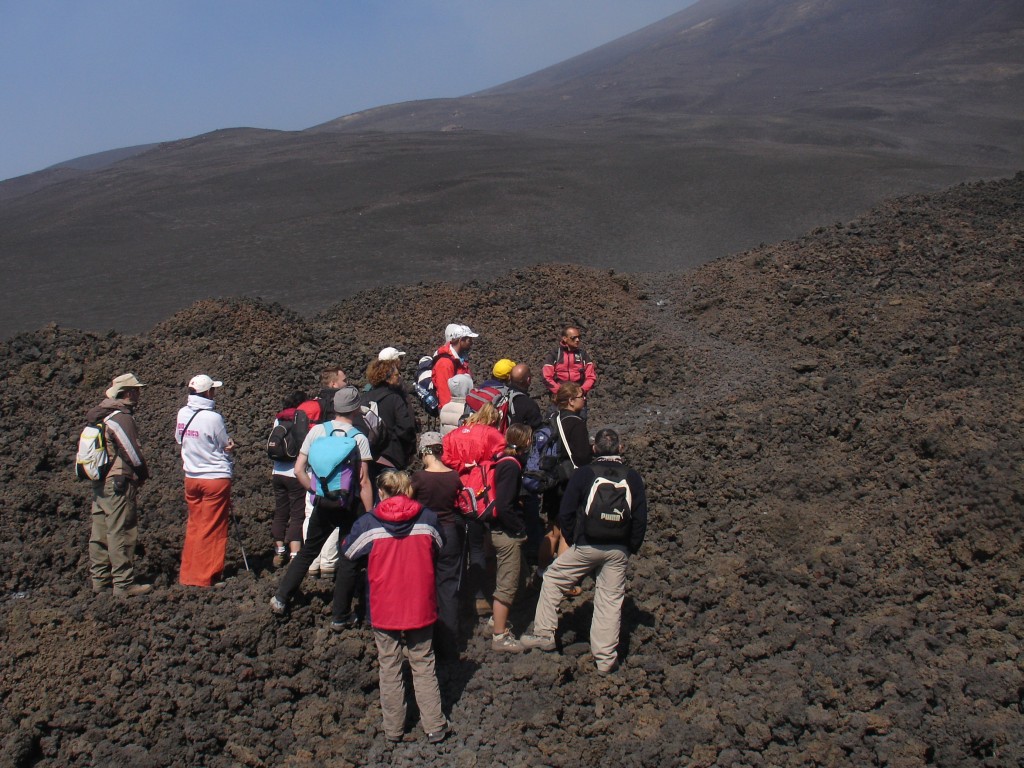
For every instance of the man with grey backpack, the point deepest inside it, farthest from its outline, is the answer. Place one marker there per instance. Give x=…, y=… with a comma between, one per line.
x=603, y=517
x=117, y=473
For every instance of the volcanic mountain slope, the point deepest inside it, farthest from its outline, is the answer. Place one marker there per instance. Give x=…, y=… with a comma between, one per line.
x=918, y=75
x=724, y=126
x=830, y=430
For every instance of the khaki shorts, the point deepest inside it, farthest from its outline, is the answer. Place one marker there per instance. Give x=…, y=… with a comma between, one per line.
x=511, y=566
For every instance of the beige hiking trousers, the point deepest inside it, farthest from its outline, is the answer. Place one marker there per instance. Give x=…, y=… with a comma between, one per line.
x=418, y=644
x=609, y=561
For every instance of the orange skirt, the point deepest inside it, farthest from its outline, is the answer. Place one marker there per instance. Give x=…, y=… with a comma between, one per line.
x=206, y=532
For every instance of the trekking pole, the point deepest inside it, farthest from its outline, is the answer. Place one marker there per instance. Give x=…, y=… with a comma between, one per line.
x=238, y=535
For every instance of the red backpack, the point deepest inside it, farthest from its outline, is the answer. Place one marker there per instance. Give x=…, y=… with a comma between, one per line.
x=471, y=451
x=496, y=396
x=478, y=498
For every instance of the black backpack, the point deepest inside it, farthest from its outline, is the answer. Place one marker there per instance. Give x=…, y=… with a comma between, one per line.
x=286, y=437
x=608, y=509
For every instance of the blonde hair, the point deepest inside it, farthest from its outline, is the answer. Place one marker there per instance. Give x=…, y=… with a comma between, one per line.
x=487, y=414
x=397, y=483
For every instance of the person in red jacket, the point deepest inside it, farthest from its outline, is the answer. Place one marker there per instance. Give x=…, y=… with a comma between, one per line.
x=474, y=443
x=451, y=359
x=569, y=363
x=402, y=538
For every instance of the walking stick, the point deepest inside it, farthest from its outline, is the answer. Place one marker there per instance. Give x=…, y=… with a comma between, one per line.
x=238, y=535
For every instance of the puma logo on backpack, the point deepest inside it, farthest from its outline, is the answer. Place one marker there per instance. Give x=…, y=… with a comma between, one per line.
x=608, y=510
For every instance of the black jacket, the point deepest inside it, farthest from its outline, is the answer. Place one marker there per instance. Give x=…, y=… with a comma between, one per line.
x=394, y=411
x=508, y=480
x=523, y=409
x=570, y=514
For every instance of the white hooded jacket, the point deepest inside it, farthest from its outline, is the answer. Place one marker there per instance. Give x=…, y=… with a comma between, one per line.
x=203, y=453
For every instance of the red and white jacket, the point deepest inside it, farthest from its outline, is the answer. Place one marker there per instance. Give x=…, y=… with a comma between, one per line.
x=402, y=538
x=448, y=364
x=564, y=365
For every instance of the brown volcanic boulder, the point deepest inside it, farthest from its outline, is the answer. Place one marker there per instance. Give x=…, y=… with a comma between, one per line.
x=830, y=430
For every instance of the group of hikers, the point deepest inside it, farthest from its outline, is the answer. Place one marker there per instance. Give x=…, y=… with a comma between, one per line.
x=436, y=520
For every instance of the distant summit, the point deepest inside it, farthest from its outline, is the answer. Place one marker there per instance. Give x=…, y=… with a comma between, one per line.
x=726, y=125
x=909, y=75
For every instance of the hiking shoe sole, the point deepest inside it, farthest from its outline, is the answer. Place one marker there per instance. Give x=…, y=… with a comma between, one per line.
x=540, y=642
x=346, y=622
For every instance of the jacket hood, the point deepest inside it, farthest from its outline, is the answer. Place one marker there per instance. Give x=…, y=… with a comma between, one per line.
x=199, y=403
x=107, y=407
x=398, y=509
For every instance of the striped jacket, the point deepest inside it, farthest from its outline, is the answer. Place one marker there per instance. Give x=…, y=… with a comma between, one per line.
x=122, y=439
x=402, y=538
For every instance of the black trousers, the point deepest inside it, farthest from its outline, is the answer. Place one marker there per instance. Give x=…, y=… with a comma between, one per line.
x=477, y=533
x=289, y=509
x=448, y=576
x=321, y=524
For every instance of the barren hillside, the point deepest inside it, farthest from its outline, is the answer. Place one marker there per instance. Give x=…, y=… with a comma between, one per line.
x=830, y=429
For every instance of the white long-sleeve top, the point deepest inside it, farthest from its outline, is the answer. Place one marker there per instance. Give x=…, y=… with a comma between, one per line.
x=203, y=453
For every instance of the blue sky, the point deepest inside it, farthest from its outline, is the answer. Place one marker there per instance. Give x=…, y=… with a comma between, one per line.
x=84, y=76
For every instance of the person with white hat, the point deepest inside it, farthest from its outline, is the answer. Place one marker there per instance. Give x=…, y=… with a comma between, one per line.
x=206, y=456
x=115, y=521
x=451, y=359
x=390, y=353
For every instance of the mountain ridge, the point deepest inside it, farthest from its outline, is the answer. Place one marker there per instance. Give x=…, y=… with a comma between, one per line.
x=649, y=150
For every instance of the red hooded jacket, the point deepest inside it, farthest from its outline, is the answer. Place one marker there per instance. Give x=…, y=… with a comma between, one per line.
x=402, y=539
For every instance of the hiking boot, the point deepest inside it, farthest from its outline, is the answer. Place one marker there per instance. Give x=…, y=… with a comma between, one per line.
x=540, y=642
x=277, y=607
x=279, y=558
x=506, y=643
x=100, y=588
x=135, y=590
x=327, y=574
x=314, y=573
x=349, y=621
x=436, y=737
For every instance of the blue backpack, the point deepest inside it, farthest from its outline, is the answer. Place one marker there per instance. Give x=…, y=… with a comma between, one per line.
x=335, y=462
x=541, y=471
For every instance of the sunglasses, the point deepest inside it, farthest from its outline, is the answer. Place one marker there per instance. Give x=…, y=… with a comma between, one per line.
x=573, y=338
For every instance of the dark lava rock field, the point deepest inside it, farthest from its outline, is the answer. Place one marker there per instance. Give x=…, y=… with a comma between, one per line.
x=831, y=433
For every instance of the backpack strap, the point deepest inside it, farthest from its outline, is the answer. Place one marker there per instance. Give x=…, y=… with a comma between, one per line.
x=106, y=443
x=565, y=443
x=187, y=423
x=514, y=458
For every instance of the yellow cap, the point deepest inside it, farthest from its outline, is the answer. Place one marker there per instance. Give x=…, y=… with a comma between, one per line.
x=503, y=368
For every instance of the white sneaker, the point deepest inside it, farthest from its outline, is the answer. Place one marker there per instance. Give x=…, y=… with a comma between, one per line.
x=506, y=642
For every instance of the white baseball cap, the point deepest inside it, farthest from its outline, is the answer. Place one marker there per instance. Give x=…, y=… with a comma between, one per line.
x=203, y=383
x=390, y=353
x=455, y=331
